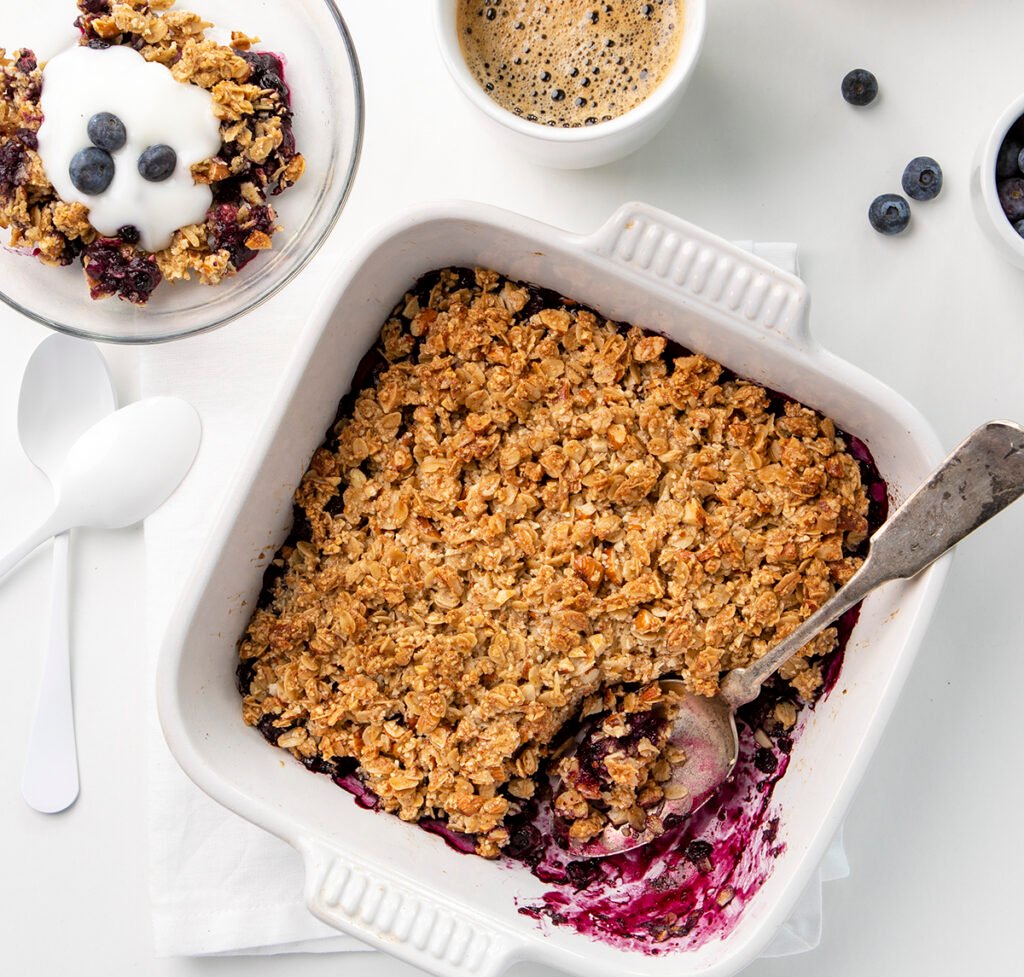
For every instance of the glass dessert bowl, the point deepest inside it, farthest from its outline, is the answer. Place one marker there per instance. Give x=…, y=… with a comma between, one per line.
x=322, y=74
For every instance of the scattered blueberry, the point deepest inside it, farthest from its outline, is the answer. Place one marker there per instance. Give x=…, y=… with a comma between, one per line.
x=129, y=234
x=157, y=163
x=1019, y=227
x=92, y=170
x=860, y=87
x=107, y=132
x=524, y=841
x=1020, y=161
x=765, y=760
x=1008, y=158
x=581, y=873
x=1011, y=198
x=922, y=179
x=698, y=850
x=890, y=213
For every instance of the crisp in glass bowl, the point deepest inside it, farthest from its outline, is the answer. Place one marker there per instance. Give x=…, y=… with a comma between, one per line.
x=322, y=72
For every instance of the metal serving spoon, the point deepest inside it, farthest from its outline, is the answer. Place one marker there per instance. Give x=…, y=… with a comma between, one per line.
x=66, y=389
x=977, y=481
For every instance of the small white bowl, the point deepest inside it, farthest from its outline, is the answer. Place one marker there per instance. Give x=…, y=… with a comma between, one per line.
x=990, y=215
x=577, y=148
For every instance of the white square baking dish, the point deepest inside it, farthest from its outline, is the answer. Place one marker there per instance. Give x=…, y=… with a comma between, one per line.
x=389, y=883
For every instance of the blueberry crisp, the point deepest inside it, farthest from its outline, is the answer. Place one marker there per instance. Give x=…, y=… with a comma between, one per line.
x=525, y=514
x=244, y=156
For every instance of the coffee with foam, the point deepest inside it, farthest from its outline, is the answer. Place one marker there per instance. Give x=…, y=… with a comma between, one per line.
x=569, y=63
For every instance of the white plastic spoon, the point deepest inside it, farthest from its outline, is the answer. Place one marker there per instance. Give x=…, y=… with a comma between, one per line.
x=65, y=391
x=120, y=471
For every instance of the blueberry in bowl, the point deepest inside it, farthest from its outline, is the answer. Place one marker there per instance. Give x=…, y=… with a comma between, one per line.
x=182, y=226
x=997, y=183
x=1010, y=174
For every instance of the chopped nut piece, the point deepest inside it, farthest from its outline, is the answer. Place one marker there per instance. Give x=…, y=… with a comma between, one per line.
x=785, y=713
x=258, y=241
x=675, y=792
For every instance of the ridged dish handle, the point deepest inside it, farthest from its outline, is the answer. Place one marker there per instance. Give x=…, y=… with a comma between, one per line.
x=721, y=277
x=403, y=919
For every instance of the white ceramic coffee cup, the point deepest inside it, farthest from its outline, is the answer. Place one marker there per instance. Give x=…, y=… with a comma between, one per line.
x=983, y=188
x=589, y=145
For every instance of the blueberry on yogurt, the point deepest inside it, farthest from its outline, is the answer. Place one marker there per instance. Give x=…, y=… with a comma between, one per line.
x=157, y=163
x=92, y=171
x=107, y=132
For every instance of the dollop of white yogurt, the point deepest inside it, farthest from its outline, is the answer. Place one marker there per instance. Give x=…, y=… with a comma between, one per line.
x=156, y=110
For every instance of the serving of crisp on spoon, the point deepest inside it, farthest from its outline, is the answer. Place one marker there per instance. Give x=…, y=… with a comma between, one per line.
x=976, y=482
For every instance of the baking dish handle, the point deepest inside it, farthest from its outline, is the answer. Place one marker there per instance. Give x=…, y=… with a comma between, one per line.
x=402, y=919
x=721, y=277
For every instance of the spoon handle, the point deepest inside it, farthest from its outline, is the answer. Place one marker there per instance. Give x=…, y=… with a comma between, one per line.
x=976, y=482
x=50, y=781
x=31, y=542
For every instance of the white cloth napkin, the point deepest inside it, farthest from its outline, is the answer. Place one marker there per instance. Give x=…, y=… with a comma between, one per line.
x=218, y=884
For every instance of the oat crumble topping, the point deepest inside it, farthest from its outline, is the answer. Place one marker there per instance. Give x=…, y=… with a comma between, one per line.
x=528, y=511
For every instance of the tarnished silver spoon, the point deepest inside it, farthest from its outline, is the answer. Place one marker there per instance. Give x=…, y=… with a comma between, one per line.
x=977, y=481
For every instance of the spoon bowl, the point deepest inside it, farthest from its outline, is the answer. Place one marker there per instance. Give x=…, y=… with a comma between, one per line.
x=976, y=482
x=119, y=471
x=65, y=390
x=125, y=467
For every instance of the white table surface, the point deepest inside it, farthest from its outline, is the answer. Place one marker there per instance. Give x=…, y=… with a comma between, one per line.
x=762, y=148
